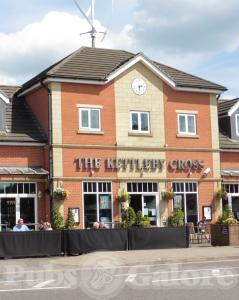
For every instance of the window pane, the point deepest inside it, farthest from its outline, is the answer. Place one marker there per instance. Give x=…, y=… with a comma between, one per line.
x=182, y=124
x=144, y=122
x=84, y=118
x=11, y=188
x=135, y=121
x=26, y=188
x=32, y=188
x=20, y=188
x=95, y=119
x=191, y=124
x=105, y=212
x=90, y=209
x=2, y=188
x=237, y=124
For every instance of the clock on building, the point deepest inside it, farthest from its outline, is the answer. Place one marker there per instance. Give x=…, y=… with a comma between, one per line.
x=139, y=86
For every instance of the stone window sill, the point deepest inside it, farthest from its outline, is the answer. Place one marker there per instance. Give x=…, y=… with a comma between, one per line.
x=140, y=134
x=90, y=132
x=188, y=136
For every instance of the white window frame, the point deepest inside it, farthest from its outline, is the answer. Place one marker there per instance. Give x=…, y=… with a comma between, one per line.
x=185, y=192
x=89, y=109
x=237, y=124
x=186, y=115
x=18, y=197
x=139, y=119
x=97, y=193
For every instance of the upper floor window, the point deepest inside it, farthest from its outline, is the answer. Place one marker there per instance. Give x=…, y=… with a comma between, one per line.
x=237, y=124
x=90, y=118
x=139, y=121
x=187, y=124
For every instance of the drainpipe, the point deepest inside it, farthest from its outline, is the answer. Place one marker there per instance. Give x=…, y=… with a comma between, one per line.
x=50, y=137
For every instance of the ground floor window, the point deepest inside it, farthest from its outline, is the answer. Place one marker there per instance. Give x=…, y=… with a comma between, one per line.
x=186, y=198
x=232, y=200
x=17, y=200
x=144, y=197
x=97, y=203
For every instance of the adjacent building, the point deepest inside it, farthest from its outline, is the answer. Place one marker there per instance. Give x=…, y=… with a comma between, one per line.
x=103, y=121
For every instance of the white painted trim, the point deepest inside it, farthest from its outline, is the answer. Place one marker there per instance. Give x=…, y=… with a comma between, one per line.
x=187, y=133
x=71, y=80
x=30, y=89
x=195, y=112
x=237, y=124
x=4, y=98
x=139, y=122
x=233, y=109
x=89, y=106
x=23, y=144
x=147, y=63
x=198, y=90
x=82, y=129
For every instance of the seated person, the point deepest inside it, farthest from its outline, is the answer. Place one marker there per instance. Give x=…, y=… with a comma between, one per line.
x=20, y=226
x=202, y=225
x=47, y=226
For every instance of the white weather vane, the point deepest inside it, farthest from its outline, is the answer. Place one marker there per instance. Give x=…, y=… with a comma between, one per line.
x=90, y=18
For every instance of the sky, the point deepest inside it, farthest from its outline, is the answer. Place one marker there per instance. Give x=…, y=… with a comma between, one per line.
x=200, y=37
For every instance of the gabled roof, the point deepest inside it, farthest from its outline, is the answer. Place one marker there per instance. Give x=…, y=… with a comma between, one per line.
x=21, y=125
x=9, y=90
x=102, y=65
x=225, y=107
x=226, y=143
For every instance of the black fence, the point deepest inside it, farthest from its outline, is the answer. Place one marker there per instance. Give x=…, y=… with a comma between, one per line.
x=157, y=238
x=32, y=243
x=68, y=242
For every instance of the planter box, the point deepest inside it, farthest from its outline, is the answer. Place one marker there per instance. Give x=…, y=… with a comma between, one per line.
x=225, y=235
x=233, y=235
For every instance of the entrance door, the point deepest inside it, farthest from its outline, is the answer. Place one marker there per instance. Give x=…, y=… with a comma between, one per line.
x=235, y=206
x=149, y=205
x=8, y=211
x=191, y=208
x=27, y=210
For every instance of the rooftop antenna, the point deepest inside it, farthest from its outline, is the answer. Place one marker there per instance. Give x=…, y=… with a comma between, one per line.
x=93, y=32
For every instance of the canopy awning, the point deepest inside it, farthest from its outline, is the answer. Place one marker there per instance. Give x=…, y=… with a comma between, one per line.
x=22, y=171
x=229, y=172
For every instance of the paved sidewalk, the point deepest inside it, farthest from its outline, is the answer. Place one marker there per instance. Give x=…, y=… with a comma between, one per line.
x=151, y=257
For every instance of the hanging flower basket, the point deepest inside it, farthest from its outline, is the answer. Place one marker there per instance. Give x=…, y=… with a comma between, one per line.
x=123, y=196
x=167, y=195
x=221, y=194
x=60, y=194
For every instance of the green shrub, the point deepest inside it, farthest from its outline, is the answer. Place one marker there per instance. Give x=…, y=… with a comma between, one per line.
x=177, y=219
x=128, y=217
x=70, y=222
x=57, y=219
x=227, y=217
x=141, y=221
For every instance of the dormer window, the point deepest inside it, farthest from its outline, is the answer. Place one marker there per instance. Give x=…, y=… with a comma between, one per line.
x=237, y=124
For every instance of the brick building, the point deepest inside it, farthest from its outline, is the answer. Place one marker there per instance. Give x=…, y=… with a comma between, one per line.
x=109, y=120
x=228, y=114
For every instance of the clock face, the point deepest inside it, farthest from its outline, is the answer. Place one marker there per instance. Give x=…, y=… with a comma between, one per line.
x=139, y=86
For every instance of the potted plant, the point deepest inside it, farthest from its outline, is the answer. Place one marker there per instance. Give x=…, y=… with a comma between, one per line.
x=167, y=195
x=221, y=194
x=60, y=194
x=124, y=199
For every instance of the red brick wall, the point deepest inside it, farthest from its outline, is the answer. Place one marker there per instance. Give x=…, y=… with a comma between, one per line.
x=21, y=156
x=174, y=100
x=73, y=94
x=38, y=102
x=229, y=160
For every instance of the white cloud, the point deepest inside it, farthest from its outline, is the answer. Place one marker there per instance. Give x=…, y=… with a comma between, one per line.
x=36, y=46
x=188, y=26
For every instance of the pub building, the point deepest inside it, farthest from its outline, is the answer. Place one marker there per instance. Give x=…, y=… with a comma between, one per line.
x=228, y=115
x=101, y=121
